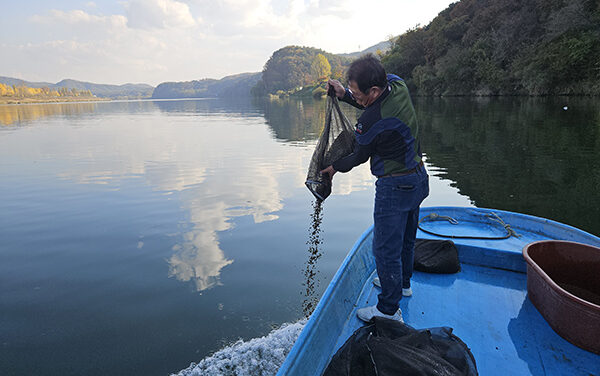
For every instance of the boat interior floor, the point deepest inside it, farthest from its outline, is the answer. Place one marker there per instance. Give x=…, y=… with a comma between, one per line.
x=489, y=310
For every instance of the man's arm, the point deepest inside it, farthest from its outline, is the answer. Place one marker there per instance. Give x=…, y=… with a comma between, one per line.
x=359, y=156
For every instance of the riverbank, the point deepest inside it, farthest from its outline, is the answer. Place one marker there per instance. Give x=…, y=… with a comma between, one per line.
x=20, y=100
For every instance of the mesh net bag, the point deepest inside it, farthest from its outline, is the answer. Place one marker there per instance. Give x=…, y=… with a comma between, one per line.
x=336, y=141
x=389, y=348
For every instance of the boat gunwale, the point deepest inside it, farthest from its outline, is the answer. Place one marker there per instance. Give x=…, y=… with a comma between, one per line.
x=532, y=218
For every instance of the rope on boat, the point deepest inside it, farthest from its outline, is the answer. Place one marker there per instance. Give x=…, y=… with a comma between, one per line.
x=491, y=216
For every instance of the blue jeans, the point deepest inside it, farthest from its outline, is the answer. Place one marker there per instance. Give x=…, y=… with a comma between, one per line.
x=396, y=216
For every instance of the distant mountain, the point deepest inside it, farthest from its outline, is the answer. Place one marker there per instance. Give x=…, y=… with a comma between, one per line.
x=99, y=90
x=230, y=86
x=18, y=82
x=381, y=46
x=111, y=91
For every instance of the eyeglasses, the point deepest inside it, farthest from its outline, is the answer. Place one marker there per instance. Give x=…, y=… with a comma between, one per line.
x=360, y=93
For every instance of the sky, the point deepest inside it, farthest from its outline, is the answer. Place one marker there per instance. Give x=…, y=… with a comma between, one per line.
x=154, y=41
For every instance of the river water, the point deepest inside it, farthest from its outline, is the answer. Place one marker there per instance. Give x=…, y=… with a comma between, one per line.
x=139, y=237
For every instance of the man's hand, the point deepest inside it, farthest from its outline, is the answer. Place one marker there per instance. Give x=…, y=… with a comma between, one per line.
x=338, y=87
x=330, y=171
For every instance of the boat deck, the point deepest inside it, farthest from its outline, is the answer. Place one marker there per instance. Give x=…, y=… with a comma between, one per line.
x=485, y=303
x=489, y=310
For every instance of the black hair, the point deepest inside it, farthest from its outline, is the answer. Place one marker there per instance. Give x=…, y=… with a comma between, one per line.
x=367, y=72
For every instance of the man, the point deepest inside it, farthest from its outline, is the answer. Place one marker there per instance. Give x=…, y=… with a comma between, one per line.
x=387, y=134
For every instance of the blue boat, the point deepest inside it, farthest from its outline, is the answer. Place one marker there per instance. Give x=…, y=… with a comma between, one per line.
x=485, y=303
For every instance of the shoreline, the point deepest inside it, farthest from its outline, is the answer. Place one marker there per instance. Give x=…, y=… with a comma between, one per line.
x=21, y=101
x=13, y=100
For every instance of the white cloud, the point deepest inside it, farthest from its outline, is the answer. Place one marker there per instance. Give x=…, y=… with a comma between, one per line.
x=58, y=17
x=158, y=14
x=154, y=41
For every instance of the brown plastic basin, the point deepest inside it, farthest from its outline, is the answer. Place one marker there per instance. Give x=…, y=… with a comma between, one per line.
x=563, y=283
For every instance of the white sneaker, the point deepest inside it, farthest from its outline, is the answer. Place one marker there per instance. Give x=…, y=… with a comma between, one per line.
x=405, y=292
x=367, y=314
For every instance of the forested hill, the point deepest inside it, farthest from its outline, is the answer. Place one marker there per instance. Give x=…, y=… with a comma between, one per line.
x=230, y=86
x=293, y=67
x=503, y=47
x=474, y=47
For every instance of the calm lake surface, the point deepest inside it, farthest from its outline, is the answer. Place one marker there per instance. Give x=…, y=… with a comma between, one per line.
x=138, y=237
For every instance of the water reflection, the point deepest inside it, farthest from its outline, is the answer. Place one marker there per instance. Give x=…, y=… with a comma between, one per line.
x=15, y=114
x=231, y=107
x=212, y=206
x=203, y=161
x=300, y=122
x=24, y=113
x=217, y=159
x=521, y=154
x=199, y=257
x=294, y=119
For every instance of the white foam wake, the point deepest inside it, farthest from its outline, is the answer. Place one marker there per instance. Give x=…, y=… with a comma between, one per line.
x=257, y=357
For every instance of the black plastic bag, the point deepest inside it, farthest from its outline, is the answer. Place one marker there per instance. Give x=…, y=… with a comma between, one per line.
x=387, y=347
x=336, y=141
x=436, y=256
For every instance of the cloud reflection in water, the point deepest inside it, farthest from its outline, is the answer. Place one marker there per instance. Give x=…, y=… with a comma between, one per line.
x=218, y=166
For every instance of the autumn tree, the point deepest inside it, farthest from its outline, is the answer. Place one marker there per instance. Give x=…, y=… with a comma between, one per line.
x=6, y=90
x=23, y=91
x=320, y=67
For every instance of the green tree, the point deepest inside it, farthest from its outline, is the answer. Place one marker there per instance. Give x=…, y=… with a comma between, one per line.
x=489, y=47
x=290, y=68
